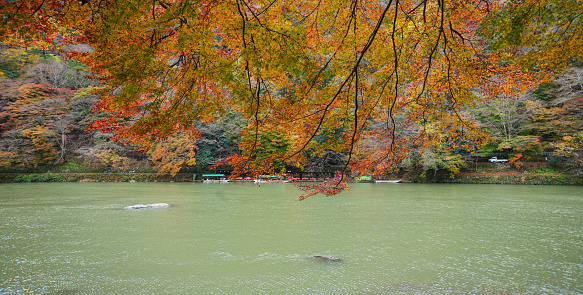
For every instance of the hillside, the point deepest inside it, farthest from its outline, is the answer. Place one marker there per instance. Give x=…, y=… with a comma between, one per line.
x=46, y=113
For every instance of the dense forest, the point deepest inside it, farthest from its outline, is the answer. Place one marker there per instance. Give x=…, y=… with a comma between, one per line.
x=264, y=87
x=46, y=107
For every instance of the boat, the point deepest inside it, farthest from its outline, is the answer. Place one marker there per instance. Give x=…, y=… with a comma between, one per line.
x=214, y=178
x=272, y=178
x=387, y=181
x=271, y=181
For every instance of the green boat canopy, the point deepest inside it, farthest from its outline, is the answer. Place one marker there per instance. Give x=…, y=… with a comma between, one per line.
x=213, y=175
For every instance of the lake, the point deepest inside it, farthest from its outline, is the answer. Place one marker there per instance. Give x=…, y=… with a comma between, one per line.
x=72, y=238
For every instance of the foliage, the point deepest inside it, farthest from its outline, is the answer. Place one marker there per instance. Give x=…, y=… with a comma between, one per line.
x=8, y=159
x=571, y=152
x=527, y=145
x=546, y=91
x=515, y=160
x=555, y=122
x=506, y=115
x=324, y=152
x=14, y=60
x=218, y=140
x=394, y=78
x=33, y=124
x=46, y=177
x=267, y=144
x=433, y=160
x=546, y=170
x=541, y=35
x=170, y=155
x=43, y=148
x=110, y=158
x=327, y=187
x=58, y=75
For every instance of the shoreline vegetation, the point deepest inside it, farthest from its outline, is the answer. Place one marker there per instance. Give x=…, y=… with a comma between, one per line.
x=498, y=174
x=523, y=179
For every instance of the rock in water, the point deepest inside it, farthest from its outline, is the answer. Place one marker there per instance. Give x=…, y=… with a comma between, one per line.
x=147, y=206
x=326, y=258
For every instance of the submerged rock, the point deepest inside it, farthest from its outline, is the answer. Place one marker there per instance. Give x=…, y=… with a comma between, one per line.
x=326, y=258
x=147, y=206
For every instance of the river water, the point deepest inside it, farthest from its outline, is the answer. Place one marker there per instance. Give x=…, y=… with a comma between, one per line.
x=72, y=238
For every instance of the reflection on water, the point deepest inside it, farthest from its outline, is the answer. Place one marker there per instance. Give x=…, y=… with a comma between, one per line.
x=71, y=238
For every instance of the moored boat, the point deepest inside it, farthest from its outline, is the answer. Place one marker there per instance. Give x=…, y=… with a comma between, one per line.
x=213, y=178
x=387, y=181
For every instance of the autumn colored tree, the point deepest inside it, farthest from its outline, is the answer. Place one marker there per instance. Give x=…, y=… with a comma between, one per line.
x=61, y=127
x=435, y=159
x=540, y=35
x=56, y=74
x=506, y=116
x=43, y=148
x=171, y=154
x=112, y=159
x=306, y=67
x=34, y=124
x=13, y=61
x=571, y=151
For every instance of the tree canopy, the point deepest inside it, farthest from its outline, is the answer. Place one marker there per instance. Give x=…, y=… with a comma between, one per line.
x=390, y=74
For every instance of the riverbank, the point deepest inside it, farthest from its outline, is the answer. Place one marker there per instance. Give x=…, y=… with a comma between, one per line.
x=519, y=178
x=502, y=177
x=94, y=177
x=109, y=177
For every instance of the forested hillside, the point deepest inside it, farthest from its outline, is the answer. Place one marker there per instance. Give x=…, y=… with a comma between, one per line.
x=46, y=108
x=45, y=111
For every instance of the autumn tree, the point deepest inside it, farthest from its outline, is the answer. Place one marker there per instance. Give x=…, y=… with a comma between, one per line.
x=13, y=61
x=61, y=127
x=55, y=74
x=112, y=159
x=305, y=67
x=570, y=84
x=34, y=123
x=570, y=150
x=506, y=116
x=555, y=122
x=171, y=154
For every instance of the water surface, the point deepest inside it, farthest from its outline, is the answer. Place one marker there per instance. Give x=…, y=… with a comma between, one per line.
x=71, y=238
